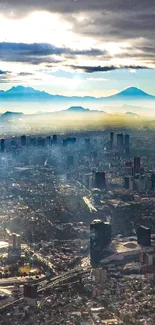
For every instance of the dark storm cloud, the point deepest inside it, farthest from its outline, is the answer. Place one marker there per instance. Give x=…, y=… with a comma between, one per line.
x=37, y=53
x=105, y=20
x=91, y=69
x=69, y=6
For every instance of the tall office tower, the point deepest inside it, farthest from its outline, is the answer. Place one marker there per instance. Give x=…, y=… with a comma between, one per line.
x=32, y=141
x=65, y=142
x=55, y=139
x=100, y=238
x=127, y=144
x=93, y=178
x=87, y=144
x=128, y=168
x=126, y=182
x=136, y=165
x=153, y=181
x=120, y=141
x=13, y=143
x=99, y=180
x=111, y=140
x=2, y=145
x=30, y=294
x=144, y=236
x=71, y=141
x=41, y=142
x=2, y=234
x=70, y=161
x=14, y=248
x=48, y=141
x=23, y=140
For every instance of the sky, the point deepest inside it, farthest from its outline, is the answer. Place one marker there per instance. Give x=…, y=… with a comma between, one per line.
x=77, y=47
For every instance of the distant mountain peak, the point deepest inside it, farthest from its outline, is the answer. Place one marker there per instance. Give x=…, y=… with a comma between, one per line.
x=131, y=114
x=10, y=115
x=77, y=109
x=132, y=92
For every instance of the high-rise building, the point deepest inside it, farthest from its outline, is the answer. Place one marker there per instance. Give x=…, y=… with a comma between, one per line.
x=23, y=140
x=127, y=144
x=41, y=142
x=144, y=236
x=153, y=181
x=126, y=182
x=65, y=142
x=111, y=140
x=2, y=145
x=120, y=141
x=48, y=140
x=148, y=181
x=2, y=234
x=100, y=238
x=32, y=141
x=136, y=165
x=55, y=139
x=30, y=294
x=14, y=247
x=128, y=168
x=99, y=180
x=87, y=180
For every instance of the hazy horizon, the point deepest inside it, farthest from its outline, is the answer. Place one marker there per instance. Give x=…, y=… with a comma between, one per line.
x=76, y=48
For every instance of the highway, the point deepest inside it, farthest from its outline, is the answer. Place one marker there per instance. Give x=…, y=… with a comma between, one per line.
x=89, y=204
x=51, y=284
x=41, y=259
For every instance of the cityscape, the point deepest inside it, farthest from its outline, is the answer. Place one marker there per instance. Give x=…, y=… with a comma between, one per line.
x=77, y=162
x=77, y=229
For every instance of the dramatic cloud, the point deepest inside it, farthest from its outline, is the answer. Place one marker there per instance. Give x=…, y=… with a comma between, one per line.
x=78, y=36
x=114, y=19
x=65, y=6
x=89, y=69
x=39, y=53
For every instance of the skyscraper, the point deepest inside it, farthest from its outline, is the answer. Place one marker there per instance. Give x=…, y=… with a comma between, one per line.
x=99, y=180
x=41, y=142
x=153, y=181
x=127, y=144
x=55, y=139
x=120, y=141
x=48, y=140
x=128, y=168
x=2, y=145
x=144, y=236
x=23, y=140
x=136, y=165
x=100, y=237
x=111, y=140
x=14, y=248
x=30, y=294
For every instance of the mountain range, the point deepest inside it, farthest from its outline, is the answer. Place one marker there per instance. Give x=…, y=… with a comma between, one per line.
x=21, y=93
x=17, y=116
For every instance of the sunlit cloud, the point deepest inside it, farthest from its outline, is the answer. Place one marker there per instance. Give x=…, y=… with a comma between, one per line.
x=40, y=38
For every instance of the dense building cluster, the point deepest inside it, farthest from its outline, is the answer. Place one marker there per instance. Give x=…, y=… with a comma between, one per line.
x=77, y=228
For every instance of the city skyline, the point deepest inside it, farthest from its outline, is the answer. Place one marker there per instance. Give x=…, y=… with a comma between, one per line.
x=76, y=48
